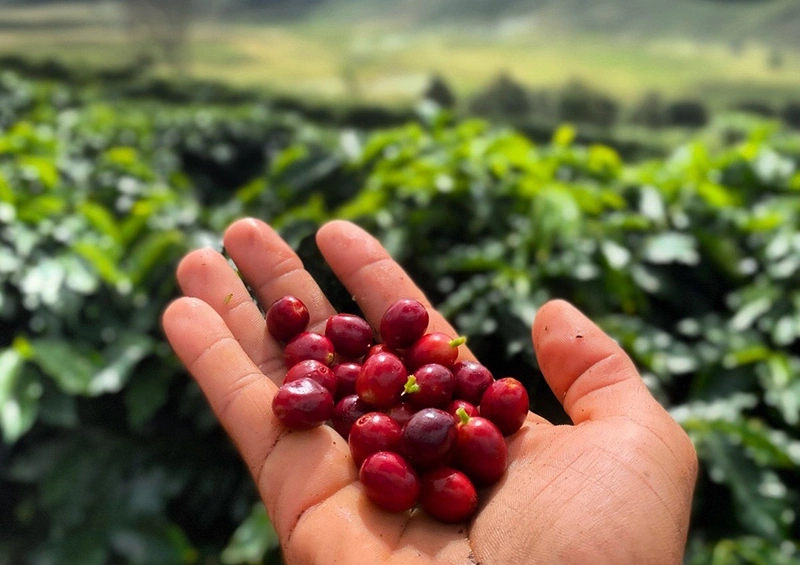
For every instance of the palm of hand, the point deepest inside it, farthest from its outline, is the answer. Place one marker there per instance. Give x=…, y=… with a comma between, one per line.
x=615, y=487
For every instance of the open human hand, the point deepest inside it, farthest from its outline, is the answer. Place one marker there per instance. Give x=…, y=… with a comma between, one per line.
x=613, y=488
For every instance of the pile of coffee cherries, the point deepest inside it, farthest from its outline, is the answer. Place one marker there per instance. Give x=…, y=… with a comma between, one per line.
x=423, y=428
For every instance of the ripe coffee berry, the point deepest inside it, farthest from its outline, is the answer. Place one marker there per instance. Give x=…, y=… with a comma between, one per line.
x=346, y=375
x=472, y=380
x=371, y=433
x=302, y=404
x=286, y=318
x=308, y=345
x=431, y=385
x=401, y=412
x=433, y=347
x=351, y=335
x=505, y=403
x=346, y=412
x=381, y=380
x=313, y=369
x=448, y=495
x=453, y=406
x=389, y=481
x=428, y=438
x=481, y=451
x=403, y=323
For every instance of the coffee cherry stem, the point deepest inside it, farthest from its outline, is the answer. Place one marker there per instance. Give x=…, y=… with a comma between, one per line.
x=461, y=340
x=411, y=385
x=462, y=415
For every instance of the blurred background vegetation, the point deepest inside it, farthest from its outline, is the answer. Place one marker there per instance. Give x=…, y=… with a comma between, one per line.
x=639, y=158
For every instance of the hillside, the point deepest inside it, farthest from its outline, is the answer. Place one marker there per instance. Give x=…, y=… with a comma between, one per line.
x=772, y=21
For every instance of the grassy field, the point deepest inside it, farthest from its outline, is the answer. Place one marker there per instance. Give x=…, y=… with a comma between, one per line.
x=389, y=61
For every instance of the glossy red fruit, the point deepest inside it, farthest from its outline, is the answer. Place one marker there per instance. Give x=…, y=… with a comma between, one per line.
x=346, y=412
x=313, y=369
x=380, y=348
x=481, y=451
x=381, y=380
x=472, y=380
x=308, y=345
x=371, y=433
x=506, y=404
x=287, y=317
x=346, y=375
x=448, y=495
x=389, y=481
x=351, y=335
x=403, y=323
x=434, y=347
x=431, y=386
x=429, y=438
x=453, y=406
x=302, y=404
x=400, y=412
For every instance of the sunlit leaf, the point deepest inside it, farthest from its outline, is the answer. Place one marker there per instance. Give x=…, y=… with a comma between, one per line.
x=251, y=540
x=72, y=369
x=19, y=395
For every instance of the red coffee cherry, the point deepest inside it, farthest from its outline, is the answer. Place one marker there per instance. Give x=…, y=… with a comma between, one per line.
x=506, y=404
x=389, y=481
x=308, y=345
x=448, y=495
x=371, y=433
x=350, y=334
x=381, y=380
x=302, y=404
x=287, y=317
x=481, y=451
x=403, y=323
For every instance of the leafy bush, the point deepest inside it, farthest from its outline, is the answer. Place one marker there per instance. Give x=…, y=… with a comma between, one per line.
x=504, y=98
x=687, y=113
x=111, y=455
x=581, y=104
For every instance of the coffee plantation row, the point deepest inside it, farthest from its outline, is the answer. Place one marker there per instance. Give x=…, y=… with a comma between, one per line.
x=109, y=452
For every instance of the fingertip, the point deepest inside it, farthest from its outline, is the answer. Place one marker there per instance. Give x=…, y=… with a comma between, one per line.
x=195, y=261
x=585, y=368
x=340, y=237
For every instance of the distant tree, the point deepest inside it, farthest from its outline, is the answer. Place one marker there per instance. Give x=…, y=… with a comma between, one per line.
x=163, y=25
x=579, y=103
x=650, y=111
x=755, y=107
x=687, y=113
x=791, y=114
x=503, y=98
x=439, y=91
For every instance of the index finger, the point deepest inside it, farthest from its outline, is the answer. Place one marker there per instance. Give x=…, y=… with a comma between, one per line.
x=374, y=279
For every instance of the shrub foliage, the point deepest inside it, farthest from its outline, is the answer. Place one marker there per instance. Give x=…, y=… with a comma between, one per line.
x=109, y=453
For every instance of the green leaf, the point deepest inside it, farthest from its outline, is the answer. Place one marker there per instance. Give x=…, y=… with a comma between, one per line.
x=19, y=395
x=145, y=394
x=71, y=369
x=43, y=167
x=119, y=360
x=251, y=540
x=671, y=247
x=101, y=220
x=101, y=259
x=150, y=252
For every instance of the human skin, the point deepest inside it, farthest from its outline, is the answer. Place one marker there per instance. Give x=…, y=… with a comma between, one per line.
x=615, y=487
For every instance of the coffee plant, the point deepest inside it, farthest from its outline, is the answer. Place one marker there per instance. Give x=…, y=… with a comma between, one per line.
x=109, y=453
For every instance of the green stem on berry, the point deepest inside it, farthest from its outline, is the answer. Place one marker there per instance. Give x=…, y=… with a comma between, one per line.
x=411, y=385
x=458, y=341
x=463, y=416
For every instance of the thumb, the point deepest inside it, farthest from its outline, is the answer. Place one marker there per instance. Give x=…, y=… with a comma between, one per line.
x=589, y=373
